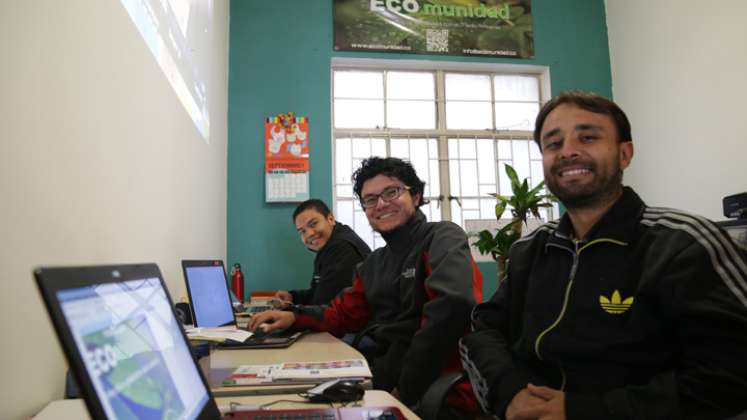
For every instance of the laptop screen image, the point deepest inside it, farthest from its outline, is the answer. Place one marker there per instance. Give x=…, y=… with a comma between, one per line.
x=208, y=293
x=126, y=348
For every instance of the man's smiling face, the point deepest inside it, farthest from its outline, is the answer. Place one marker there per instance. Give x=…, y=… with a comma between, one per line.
x=582, y=157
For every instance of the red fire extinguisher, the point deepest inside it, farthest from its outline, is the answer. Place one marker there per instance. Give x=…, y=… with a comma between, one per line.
x=237, y=282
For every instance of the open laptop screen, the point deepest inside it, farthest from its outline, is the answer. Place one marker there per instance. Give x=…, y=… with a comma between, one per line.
x=133, y=350
x=208, y=293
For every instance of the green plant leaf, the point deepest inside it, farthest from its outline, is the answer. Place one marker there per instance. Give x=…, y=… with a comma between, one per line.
x=513, y=177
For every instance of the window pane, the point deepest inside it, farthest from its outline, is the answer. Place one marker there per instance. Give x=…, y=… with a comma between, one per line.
x=344, y=191
x=454, y=177
x=344, y=212
x=410, y=85
x=357, y=113
x=361, y=149
x=504, y=182
x=467, y=149
x=515, y=116
x=467, y=86
x=534, y=151
x=537, y=173
x=378, y=147
x=516, y=88
x=456, y=213
x=468, y=115
x=399, y=148
x=359, y=84
x=486, y=189
x=504, y=149
x=521, y=158
x=469, y=178
x=485, y=161
x=419, y=160
x=410, y=114
x=487, y=209
x=453, y=148
x=434, y=181
x=343, y=154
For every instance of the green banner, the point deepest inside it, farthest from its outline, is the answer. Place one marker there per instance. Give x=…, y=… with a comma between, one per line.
x=498, y=28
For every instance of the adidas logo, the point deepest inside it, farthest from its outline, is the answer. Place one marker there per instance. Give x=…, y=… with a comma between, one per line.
x=615, y=305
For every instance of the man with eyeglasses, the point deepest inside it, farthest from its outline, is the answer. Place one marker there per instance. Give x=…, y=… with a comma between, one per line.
x=419, y=289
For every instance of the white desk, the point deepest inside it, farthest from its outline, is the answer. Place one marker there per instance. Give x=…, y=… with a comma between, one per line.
x=312, y=347
x=76, y=409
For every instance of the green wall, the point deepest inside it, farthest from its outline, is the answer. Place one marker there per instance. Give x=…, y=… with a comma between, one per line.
x=280, y=53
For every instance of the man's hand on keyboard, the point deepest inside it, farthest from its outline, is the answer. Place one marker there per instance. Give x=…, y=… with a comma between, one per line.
x=272, y=320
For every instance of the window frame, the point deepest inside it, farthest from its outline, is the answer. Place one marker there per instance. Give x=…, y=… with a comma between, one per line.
x=440, y=132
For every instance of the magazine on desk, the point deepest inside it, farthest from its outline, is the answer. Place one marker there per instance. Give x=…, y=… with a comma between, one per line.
x=298, y=372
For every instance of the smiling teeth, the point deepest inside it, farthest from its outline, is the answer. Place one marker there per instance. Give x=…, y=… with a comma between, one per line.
x=574, y=172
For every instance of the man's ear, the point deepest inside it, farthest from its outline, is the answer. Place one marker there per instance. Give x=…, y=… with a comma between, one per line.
x=331, y=219
x=626, y=154
x=417, y=199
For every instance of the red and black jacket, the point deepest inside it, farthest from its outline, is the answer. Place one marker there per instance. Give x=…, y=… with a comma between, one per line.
x=420, y=289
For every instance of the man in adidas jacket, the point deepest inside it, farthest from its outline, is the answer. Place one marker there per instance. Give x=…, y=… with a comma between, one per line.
x=619, y=310
x=420, y=289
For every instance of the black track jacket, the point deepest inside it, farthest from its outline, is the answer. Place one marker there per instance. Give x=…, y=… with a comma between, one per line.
x=334, y=265
x=646, y=318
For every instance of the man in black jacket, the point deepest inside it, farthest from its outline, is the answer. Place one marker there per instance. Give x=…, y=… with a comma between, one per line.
x=619, y=310
x=419, y=288
x=338, y=250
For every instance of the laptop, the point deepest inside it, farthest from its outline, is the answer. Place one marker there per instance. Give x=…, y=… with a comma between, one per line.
x=124, y=345
x=211, y=304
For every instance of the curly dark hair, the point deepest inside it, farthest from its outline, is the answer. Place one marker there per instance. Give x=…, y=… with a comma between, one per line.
x=313, y=203
x=589, y=102
x=392, y=167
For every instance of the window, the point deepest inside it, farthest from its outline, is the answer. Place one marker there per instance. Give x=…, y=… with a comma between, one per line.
x=457, y=128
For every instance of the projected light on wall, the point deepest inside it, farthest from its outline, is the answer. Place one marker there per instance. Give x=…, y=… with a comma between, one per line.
x=177, y=33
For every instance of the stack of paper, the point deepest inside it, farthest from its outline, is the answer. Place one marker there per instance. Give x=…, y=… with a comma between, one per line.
x=218, y=334
x=292, y=372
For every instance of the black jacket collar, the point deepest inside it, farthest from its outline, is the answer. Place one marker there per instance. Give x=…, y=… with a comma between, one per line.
x=400, y=239
x=618, y=223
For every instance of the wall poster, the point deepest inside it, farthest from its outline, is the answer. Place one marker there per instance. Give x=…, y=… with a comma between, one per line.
x=497, y=28
x=286, y=158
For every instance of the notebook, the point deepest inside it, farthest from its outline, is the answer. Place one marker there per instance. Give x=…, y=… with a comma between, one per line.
x=125, y=347
x=211, y=304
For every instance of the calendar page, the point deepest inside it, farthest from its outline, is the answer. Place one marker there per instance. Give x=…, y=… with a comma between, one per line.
x=286, y=158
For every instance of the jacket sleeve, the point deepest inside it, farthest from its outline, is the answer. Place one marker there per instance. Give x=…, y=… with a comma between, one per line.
x=706, y=287
x=450, y=284
x=336, y=272
x=347, y=312
x=486, y=354
x=303, y=296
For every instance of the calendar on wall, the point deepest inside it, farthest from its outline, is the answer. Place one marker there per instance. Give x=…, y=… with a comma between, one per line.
x=286, y=158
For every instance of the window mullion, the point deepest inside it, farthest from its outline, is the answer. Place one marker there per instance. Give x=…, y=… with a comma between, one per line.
x=443, y=146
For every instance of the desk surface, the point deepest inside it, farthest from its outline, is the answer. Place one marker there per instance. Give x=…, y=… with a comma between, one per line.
x=312, y=347
x=76, y=409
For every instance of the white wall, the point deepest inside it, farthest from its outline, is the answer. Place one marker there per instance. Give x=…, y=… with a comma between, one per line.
x=679, y=70
x=99, y=163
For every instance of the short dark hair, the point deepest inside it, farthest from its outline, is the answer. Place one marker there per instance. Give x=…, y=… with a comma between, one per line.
x=589, y=102
x=315, y=204
x=392, y=167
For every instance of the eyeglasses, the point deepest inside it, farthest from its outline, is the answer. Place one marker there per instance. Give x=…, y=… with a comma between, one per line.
x=389, y=194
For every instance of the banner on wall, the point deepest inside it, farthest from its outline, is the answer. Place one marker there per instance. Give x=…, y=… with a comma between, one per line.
x=286, y=158
x=495, y=28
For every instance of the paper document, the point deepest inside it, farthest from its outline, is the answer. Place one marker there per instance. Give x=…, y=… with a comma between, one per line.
x=218, y=334
x=299, y=372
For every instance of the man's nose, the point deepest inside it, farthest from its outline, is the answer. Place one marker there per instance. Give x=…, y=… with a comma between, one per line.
x=569, y=149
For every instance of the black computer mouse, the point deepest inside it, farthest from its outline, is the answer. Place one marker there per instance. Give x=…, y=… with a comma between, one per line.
x=344, y=391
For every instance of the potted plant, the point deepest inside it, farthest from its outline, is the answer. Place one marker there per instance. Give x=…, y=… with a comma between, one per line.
x=523, y=202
